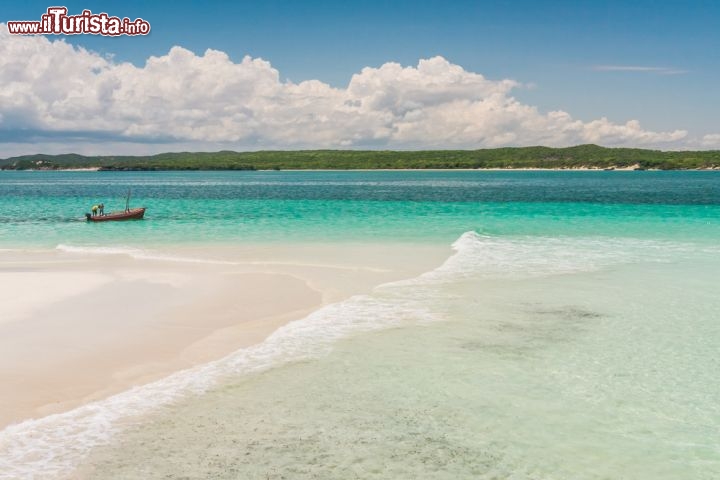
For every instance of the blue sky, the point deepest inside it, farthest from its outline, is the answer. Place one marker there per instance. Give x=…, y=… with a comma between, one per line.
x=652, y=61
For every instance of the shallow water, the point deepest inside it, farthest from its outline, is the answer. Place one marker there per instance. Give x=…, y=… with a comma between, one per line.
x=573, y=334
x=599, y=373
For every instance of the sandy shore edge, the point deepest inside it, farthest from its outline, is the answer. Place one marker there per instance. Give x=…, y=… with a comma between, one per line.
x=81, y=327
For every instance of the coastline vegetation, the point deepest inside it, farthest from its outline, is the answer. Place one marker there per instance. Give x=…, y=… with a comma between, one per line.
x=578, y=157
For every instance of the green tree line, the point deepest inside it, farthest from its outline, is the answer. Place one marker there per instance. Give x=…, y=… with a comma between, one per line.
x=591, y=156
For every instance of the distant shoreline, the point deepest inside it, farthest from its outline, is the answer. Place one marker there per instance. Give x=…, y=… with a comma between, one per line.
x=578, y=158
x=524, y=169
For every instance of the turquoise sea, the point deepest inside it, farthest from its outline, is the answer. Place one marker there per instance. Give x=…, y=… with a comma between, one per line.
x=47, y=208
x=573, y=333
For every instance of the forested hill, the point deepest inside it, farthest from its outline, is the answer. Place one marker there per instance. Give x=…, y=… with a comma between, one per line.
x=582, y=156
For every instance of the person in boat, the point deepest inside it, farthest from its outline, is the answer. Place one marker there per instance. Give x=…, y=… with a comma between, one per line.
x=101, y=207
x=95, y=209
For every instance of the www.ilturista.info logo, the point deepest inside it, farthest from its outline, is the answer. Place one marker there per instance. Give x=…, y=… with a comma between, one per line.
x=57, y=22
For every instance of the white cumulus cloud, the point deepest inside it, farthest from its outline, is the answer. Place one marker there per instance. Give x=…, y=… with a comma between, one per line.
x=711, y=141
x=56, y=95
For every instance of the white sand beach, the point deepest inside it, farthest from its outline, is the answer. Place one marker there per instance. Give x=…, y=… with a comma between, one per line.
x=81, y=324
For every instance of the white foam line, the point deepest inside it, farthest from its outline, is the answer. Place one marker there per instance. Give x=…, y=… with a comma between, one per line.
x=319, y=265
x=140, y=254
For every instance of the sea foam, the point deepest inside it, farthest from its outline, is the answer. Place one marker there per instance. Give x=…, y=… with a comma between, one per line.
x=138, y=254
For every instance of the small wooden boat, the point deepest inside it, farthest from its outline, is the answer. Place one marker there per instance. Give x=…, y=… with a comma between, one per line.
x=127, y=214
x=130, y=214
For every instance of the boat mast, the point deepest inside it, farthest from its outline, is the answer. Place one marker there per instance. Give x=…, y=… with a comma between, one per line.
x=127, y=201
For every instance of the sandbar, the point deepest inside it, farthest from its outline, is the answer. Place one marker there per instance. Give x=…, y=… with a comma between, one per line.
x=78, y=326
